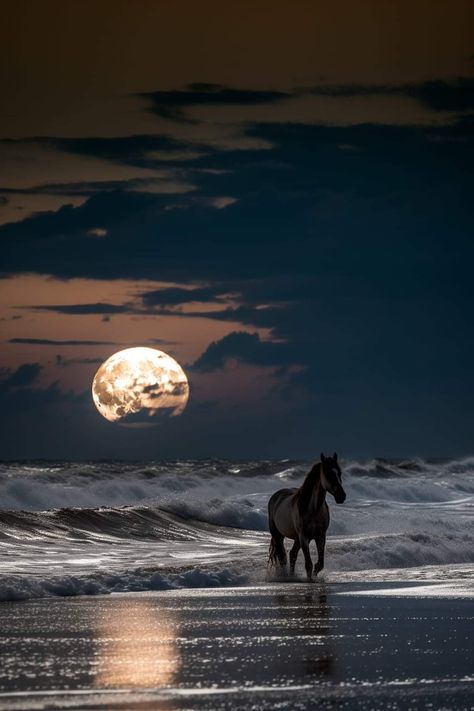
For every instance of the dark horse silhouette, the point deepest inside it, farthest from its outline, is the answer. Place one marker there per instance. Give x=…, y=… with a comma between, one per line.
x=303, y=515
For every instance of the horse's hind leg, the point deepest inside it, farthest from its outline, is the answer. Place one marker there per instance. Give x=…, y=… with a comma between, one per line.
x=294, y=555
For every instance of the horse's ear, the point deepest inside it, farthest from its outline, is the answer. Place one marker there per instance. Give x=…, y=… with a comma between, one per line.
x=322, y=457
x=334, y=456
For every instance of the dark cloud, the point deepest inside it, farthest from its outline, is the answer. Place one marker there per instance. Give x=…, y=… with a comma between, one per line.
x=30, y=415
x=357, y=263
x=439, y=95
x=174, y=296
x=173, y=104
x=22, y=377
x=274, y=189
x=246, y=347
x=65, y=362
x=31, y=419
x=53, y=226
x=126, y=150
x=161, y=342
x=247, y=315
x=169, y=183
x=49, y=342
x=81, y=309
x=253, y=292
x=455, y=95
x=150, y=302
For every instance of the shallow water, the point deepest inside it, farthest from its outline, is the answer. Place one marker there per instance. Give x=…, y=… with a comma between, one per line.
x=263, y=647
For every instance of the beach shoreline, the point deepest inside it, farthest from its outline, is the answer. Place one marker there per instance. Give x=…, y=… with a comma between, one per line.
x=273, y=645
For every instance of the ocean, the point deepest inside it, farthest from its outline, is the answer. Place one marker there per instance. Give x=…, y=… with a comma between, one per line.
x=85, y=528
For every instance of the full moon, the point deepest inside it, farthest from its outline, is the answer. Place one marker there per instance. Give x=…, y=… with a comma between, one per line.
x=139, y=386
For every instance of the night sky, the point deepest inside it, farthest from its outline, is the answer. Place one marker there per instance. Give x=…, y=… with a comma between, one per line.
x=278, y=194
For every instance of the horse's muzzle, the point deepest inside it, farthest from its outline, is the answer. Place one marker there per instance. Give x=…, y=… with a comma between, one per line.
x=340, y=497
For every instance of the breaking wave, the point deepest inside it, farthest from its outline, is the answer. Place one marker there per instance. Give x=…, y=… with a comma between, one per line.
x=24, y=587
x=89, y=528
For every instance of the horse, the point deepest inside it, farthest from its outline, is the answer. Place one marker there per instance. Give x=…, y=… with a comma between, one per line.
x=303, y=515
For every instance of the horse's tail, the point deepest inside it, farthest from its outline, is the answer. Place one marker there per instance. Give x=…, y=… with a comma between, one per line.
x=272, y=553
x=276, y=551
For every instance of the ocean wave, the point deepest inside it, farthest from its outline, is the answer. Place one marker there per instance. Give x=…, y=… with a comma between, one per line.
x=369, y=555
x=96, y=527
x=89, y=485
x=25, y=587
x=248, y=512
x=400, y=550
x=37, y=487
x=110, y=524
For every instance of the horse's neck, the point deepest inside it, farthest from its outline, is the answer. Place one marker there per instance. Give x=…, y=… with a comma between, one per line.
x=312, y=495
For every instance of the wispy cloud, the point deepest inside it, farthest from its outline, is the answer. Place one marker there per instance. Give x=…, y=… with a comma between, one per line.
x=51, y=342
x=173, y=104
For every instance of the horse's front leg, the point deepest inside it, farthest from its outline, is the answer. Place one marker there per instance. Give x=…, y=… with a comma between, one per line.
x=308, y=563
x=320, y=544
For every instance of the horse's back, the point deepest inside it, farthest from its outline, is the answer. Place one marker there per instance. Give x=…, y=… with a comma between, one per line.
x=278, y=497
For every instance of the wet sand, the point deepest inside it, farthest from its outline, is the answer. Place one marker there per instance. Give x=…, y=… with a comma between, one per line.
x=273, y=646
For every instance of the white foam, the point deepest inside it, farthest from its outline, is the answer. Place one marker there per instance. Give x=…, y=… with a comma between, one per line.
x=24, y=587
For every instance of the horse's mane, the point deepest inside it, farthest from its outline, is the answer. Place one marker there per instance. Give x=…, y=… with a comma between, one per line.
x=304, y=493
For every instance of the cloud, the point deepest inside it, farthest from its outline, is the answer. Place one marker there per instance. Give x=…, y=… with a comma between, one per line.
x=456, y=94
x=161, y=342
x=148, y=302
x=134, y=150
x=439, y=95
x=443, y=95
x=176, y=156
x=245, y=347
x=63, y=171
x=65, y=362
x=174, y=104
x=21, y=398
x=167, y=182
x=324, y=197
x=97, y=232
x=21, y=402
x=44, y=174
x=22, y=377
x=82, y=309
x=174, y=296
x=223, y=201
x=49, y=342
x=353, y=265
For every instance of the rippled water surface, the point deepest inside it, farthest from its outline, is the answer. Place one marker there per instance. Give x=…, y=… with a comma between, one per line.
x=259, y=647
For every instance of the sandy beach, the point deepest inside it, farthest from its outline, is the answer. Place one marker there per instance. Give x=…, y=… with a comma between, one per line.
x=271, y=646
x=151, y=590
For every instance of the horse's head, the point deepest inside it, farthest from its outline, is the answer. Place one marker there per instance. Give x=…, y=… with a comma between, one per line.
x=331, y=477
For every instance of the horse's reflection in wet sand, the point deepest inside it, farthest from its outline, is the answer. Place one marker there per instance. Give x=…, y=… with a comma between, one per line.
x=303, y=515
x=313, y=618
